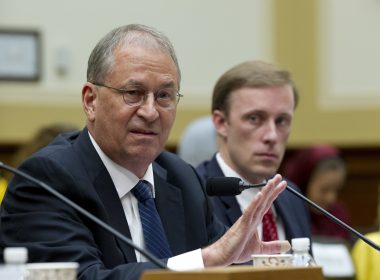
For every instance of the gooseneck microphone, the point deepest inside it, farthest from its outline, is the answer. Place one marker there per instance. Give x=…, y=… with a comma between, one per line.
x=228, y=186
x=233, y=186
x=99, y=222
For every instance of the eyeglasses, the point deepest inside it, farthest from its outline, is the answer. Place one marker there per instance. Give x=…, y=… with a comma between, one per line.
x=166, y=98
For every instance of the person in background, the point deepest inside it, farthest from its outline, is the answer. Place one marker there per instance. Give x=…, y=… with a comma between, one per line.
x=252, y=110
x=117, y=169
x=320, y=172
x=43, y=137
x=198, y=141
x=365, y=258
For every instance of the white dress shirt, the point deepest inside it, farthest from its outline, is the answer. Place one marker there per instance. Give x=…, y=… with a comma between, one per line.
x=124, y=181
x=245, y=198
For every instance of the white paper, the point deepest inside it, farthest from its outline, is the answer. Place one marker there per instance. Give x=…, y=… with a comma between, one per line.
x=335, y=259
x=12, y=272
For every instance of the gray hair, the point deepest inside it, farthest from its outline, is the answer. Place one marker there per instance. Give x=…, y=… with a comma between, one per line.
x=101, y=58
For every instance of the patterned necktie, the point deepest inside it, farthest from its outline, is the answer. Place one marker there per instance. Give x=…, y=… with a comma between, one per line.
x=269, y=227
x=154, y=235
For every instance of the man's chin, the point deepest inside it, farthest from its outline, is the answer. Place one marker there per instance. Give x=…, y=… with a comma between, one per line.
x=266, y=173
x=146, y=151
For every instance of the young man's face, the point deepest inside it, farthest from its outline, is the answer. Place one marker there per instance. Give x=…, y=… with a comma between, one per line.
x=256, y=130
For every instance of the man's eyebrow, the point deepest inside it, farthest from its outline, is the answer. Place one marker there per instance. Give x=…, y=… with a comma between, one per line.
x=256, y=112
x=133, y=83
x=169, y=84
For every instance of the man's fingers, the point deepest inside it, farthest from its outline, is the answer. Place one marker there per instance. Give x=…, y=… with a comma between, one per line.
x=274, y=187
x=264, y=199
x=275, y=247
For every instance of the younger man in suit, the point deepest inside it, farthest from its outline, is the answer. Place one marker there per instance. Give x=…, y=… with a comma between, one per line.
x=252, y=110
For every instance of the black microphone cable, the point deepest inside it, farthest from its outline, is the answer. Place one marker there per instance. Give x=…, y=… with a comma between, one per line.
x=335, y=219
x=99, y=222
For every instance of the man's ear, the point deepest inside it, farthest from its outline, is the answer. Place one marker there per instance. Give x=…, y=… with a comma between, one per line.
x=89, y=100
x=220, y=122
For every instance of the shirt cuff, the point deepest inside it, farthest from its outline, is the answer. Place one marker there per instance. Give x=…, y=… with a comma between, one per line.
x=188, y=261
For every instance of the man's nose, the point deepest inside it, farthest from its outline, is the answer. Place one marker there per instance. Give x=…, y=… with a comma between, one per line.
x=270, y=131
x=148, y=109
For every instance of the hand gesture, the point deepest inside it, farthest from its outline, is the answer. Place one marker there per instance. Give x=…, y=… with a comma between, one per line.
x=242, y=240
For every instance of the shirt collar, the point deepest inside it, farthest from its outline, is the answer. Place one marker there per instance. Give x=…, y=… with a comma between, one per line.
x=245, y=197
x=123, y=179
x=227, y=170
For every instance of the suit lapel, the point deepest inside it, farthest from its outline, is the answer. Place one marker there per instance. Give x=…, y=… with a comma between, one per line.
x=232, y=208
x=106, y=190
x=230, y=204
x=171, y=210
x=117, y=219
x=284, y=210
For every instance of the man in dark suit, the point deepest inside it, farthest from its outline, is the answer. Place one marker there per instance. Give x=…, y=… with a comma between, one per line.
x=130, y=100
x=252, y=111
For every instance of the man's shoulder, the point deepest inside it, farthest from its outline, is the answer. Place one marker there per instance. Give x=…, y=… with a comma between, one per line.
x=209, y=168
x=166, y=156
x=169, y=160
x=202, y=167
x=177, y=171
x=61, y=151
x=62, y=144
x=290, y=199
x=292, y=185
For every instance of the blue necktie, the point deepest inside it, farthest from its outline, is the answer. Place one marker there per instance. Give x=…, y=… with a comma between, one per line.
x=154, y=235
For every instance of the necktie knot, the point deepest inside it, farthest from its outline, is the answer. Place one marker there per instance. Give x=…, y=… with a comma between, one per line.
x=142, y=191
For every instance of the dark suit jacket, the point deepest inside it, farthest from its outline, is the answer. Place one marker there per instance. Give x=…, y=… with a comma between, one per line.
x=291, y=210
x=55, y=232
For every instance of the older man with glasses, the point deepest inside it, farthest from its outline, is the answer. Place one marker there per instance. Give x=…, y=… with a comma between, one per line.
x=116, y=169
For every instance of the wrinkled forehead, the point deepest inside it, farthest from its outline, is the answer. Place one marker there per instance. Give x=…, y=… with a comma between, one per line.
x=134, y=63
x=133, y=53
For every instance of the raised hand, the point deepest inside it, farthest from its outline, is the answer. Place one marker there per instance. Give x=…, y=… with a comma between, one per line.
x=242, y=240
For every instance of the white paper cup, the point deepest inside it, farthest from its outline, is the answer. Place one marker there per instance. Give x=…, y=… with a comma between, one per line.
x=277, y=260
x=53, y=270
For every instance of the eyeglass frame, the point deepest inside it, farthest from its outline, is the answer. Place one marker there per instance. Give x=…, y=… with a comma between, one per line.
x=123, y=92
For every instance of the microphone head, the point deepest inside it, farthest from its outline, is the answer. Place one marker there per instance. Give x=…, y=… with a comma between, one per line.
x=223, y=186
